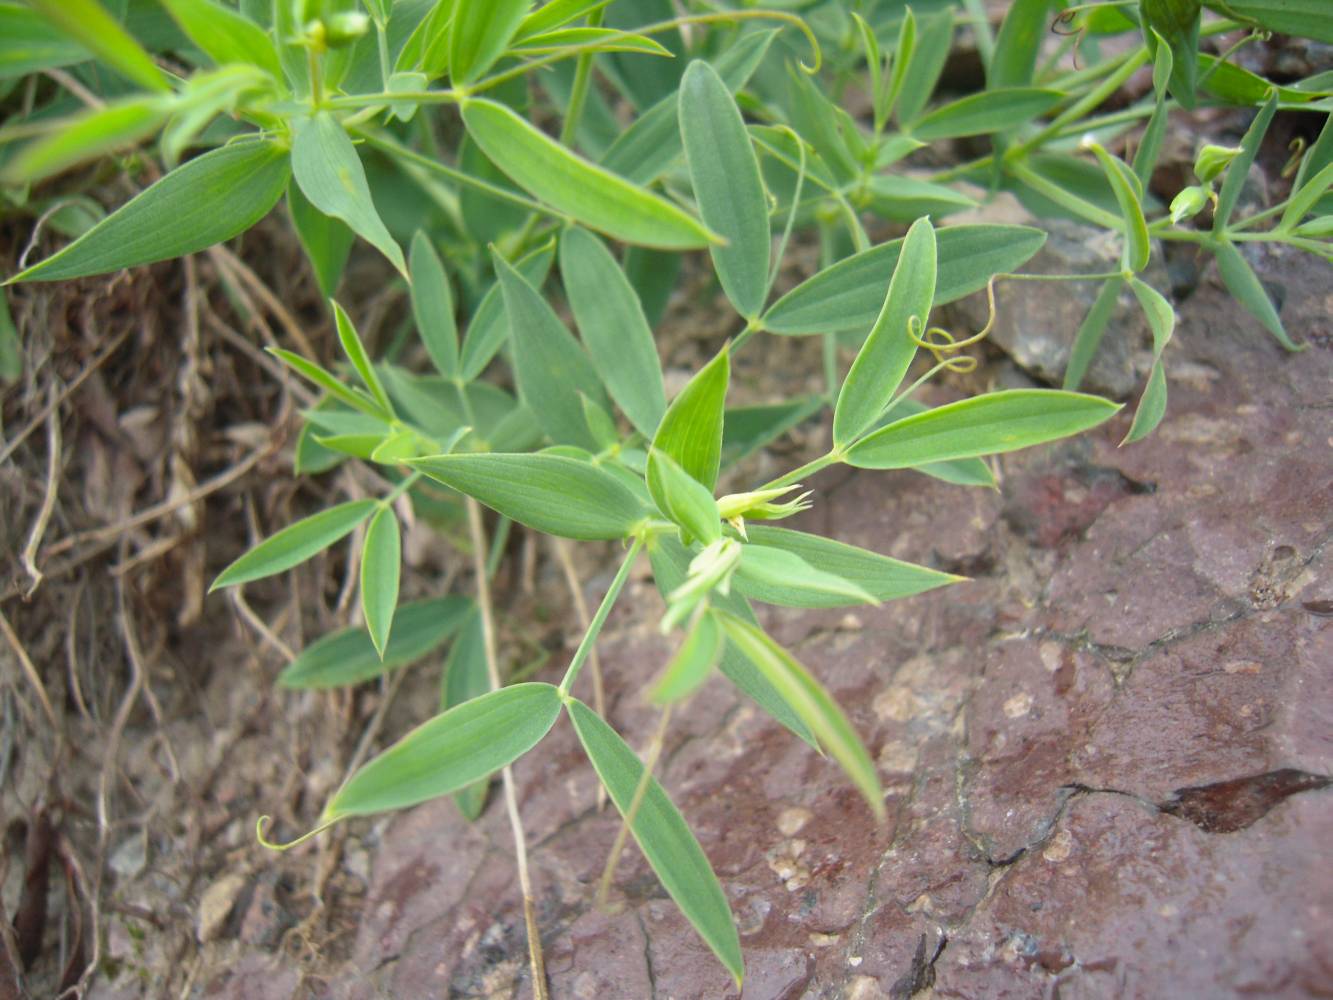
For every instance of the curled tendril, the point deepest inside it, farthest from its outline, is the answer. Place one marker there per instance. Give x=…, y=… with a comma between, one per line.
x=945, y=346
x=262, y=823
x=1297, y=148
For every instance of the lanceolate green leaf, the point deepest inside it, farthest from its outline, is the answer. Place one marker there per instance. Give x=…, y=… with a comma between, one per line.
x=381, y=563
x=1175, y=22
x=882, y=578
x=329, y=171
x=466, y=677
x=577, y=188
x=849, y=295
x=356, y=354
x=983, y=425
x=987, y=112
x=354, y=398
x=1162, y=321
x=225, y=35
x=663, y=836
x=1129, y=196
x=1302, y=18
x=887, y=353
x=479, y=34
x=84, y=136
x=327, y=241
x=692, y=664
x=1244, y=284
x=348, y=656
x=550, y=366
x=32, y=43
x=725, y=176
x=682, y=498
x=1090, y=331
x=691, y=431
x=433, y=305
x=1017, y=44
x=776, y=576
x=552, y=493
x=613, y=326
x=489, y=328
x=555, y=14
x=1239, y=171
x=296, y=543
x=813, y=704
x=90, y=23
x=451, y=751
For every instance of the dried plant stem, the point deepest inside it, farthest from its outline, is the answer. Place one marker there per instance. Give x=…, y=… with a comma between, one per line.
x=479, y=550
x=640, y=790
x=53, y=455
x=30, y=671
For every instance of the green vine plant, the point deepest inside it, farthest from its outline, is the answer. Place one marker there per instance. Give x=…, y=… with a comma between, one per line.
x=411, y=123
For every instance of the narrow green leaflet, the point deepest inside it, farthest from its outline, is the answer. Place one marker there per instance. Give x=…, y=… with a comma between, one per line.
x=888, y=352
x=427, y=48
x=466, y=677
x=1162, y=321
x=983, y=425
x=1089, y=336
x=692, y=664
x=32, y=43
x=451, y=751
x=296, y=543
x=848, y=295
x=663, y=836
x=1302, y=18
x=327, y=241
x=550, y=366
x=11, y=352
x=552, y=493
x=960, y=472
x=611, y=321
x=881, y=577
x=480, y=33
x=587, y=40
x=327, y=168
x=1303, y=199
x=691, y=431
x=1176, y=23
x=555, y=14
x=813, y=704
x=985, y=113
x=776, y=576
x=933, y=38
x=725, y=175
x=381, y=565
x=489, y=327
x=886, y=100
x=349, y=657
x=85, y=136
x=577, y=188
x=1244, y=284
x=905, y=199
x=92, y=26
x=681, y=498
x=1017, y=44
x=1239, y=171
x=354, y=398
x=225, y=35
x=433, y=305
x=1150, y=146
x=356, y=354
x=1129, y=196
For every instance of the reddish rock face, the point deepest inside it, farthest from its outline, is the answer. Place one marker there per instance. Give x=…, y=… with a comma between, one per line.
x=1104, y=757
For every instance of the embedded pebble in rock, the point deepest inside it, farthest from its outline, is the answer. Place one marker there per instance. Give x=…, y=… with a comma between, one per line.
x=1104, y=756
x=215, y=906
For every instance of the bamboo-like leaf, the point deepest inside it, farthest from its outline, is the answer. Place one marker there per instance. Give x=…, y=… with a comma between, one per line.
x=225, y=35
x=692, y=664
x=1150, y=146
x=1303, y=200
x=85, y=136
x=1162, y=321
x=555, y=14
x=550, y=366
x=356, y=354
x=776, y=576
x=905, y=199
x=348, y=656
x=466, y=676
x=330, y=174
x=585, y=192
x=354, y=398
x=1090, y=331
x=848, y=295
x=427, y=48
x=381, y=564
x=933, y=39
x=1301, y=18
x=590, y=40
x=1239, y=170
x=682, y=498
x=725, y=175
x=1244, y=284
x=663, y=836
x=985, y=113
x=983, y=425
x=433, y=305
x=489, y=328
x=882, y=578
x=611, y=321
x=1129, y=196
x=691, y=431
x=451, y=751
x=479, y=34
x=93, y=27
x=296, y=543
x=1017, y=44
x=888, y=352
x=813, y=704
x=1176, y=24
x=558, y=495
x=327, y=241
x=33, y=44
x=886, y=102
x=960, y=472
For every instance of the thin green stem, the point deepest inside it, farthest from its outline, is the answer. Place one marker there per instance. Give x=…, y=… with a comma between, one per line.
x=402, y=488
x=808, y=469
x=599, y=619
x=751, y=328
x=578, y=93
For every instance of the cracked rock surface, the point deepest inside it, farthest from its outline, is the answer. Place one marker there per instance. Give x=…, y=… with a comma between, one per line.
x=1104, y=757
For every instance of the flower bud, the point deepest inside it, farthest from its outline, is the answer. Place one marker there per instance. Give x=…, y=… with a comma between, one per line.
x=1188, y=203
x=344, y=29
x=1212, y=160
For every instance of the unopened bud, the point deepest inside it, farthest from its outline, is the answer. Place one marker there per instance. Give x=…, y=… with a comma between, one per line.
x=1188, y=203
x=1212, y=160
